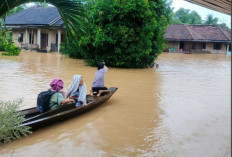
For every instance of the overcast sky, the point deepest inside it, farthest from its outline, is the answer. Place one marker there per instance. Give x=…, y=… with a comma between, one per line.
x=203, y=12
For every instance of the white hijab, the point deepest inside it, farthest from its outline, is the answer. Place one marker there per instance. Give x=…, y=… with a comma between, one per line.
x=75, y=85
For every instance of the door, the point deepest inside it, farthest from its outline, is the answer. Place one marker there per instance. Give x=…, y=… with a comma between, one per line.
x=181, y=45
x=43, y=41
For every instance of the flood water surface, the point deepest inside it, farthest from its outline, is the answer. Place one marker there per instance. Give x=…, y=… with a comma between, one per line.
x=182, y=109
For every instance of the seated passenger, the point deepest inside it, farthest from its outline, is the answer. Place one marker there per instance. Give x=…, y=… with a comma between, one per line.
x=57, y=98
x=98, y=83
x=77, y=91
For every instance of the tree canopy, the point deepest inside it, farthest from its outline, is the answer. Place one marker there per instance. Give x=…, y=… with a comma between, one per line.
x=210, y=20
x=123, y=33
x=185, y=16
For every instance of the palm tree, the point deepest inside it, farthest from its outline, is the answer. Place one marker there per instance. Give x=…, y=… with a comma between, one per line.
x=71, y=11
x=210, y=20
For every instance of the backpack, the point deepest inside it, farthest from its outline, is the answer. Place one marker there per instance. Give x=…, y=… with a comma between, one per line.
x=43, y=100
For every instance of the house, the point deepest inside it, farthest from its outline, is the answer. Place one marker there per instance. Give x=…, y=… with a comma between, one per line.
x=37, y=28
x=42, y=29
x=197, y=39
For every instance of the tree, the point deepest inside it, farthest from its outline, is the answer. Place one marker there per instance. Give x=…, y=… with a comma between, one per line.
x=224, y=26
x=183, y=15
x=16, y=9
x=125, y=33
x=175, y=19
x=194, y=18
x=210, y=20
x=186, y=16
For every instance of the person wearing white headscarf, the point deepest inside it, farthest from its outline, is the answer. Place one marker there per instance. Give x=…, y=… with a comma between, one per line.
x=77, y=89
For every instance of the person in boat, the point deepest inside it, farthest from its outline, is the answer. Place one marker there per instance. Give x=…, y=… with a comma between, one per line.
x=58, y=98
x=98, y=83
x=77, y=91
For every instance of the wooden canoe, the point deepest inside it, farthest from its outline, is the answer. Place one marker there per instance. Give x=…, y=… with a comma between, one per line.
x=36, y=120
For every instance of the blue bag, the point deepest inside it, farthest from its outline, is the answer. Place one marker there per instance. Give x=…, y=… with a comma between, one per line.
x=43, y=100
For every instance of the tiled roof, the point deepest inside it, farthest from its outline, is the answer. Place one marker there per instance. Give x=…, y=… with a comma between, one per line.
x=182, y=32
x=34, y=16
x=177, y=32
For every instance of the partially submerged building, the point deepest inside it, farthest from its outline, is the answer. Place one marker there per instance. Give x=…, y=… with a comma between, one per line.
x=37, y=28
x=197, y=39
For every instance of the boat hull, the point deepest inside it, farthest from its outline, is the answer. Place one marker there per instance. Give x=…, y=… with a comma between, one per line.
x=37, y=120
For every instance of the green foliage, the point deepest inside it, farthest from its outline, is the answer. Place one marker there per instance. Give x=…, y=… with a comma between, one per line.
x=6, y=43
x=5, y=36
x=210, y=20
x=183, y=15
x=175, y=19
x=186, y=16
x=11, y=49
x=224, y=26
x=10, y=121
x=16, y=9
x=71, y=49
x=123, y=33
x=195, y=18
x=43, y=4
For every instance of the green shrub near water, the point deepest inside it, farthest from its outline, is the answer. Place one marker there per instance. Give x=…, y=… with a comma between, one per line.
x=123, y=33
x=10, y=120
x=11, y=49
x=6, y=43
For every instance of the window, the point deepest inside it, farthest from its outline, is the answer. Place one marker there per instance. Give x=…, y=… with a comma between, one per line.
x=217, y=46
x=31, y=38
x=203, y=45
x=20, y=37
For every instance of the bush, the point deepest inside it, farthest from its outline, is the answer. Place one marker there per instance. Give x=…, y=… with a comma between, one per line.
x=11, y=49
x=2, y=47
x=7, y=45
x=71, y=49
x=125, y=33
x=10, y=120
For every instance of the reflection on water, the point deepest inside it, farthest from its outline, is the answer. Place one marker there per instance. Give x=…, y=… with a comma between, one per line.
x=181, y=109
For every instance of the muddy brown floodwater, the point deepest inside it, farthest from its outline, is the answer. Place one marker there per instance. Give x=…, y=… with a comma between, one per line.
x=182, y=109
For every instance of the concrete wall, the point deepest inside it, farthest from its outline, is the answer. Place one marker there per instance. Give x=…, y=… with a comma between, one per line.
x=50, y=32
x=197, y=47
x=209, y=47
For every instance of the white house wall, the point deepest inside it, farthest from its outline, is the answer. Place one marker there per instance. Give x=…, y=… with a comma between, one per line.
x=52, y=39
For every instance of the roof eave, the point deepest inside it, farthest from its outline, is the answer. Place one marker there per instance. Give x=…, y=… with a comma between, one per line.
x=218, y=41
x=33, y=26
